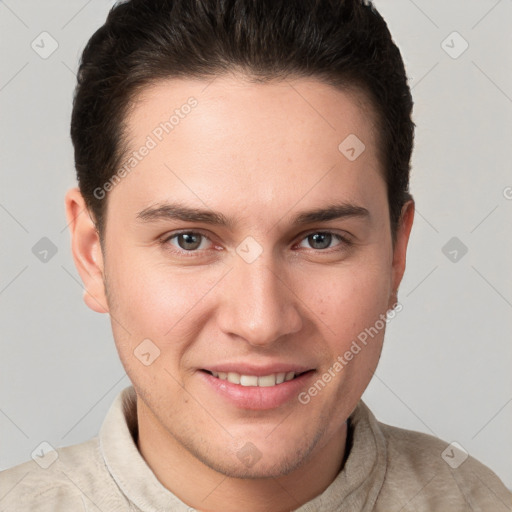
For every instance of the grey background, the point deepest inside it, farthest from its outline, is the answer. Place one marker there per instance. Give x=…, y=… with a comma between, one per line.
x=445, y=368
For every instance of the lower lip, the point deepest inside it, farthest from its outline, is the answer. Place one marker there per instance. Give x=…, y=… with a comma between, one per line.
x=256, y=397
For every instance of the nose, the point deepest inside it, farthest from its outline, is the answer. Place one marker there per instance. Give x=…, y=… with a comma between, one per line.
x=258, y=304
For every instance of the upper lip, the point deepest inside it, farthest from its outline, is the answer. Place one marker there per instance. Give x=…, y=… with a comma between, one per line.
x=257, y=370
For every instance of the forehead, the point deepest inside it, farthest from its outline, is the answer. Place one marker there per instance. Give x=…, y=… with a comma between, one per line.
x=227, y=103
x=254, y=143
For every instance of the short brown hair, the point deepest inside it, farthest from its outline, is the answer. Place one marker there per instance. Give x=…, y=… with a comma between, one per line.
x=345, y=43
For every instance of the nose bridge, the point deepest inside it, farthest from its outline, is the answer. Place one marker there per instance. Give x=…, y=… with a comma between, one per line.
x=257, y=305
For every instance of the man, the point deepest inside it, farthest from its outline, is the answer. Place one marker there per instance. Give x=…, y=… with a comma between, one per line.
x=243, y=216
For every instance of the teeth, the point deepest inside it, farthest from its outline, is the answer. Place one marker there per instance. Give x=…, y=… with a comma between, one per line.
x=248, y=380
x=267, y=381
x=252, y=380
x=234, y=377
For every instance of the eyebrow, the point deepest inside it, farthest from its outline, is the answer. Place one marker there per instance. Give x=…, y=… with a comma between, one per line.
x=177, y=211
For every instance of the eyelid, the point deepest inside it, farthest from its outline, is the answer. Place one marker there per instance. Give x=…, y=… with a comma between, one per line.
x=345, y=239
x=166, y=238
x=343, y=234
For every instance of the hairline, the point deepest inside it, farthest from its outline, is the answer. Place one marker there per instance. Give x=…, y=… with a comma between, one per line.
x=358, y=92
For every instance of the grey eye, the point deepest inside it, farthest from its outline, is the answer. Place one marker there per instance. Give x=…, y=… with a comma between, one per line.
x=320, y=240
x=189, y=241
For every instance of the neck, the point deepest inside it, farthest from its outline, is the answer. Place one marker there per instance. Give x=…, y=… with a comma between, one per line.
x=203, y=488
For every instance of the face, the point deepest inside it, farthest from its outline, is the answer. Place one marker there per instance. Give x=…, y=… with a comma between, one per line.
x=245, y=251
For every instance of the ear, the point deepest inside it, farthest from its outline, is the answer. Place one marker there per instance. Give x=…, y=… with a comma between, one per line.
x=86, y=249
x=400, y=249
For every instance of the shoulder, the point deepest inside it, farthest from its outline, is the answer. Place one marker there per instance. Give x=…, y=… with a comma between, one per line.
x=69, y=478
x=428, y=473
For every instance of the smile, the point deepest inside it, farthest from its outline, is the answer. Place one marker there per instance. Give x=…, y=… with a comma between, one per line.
x=270, y=380
x=267, y=390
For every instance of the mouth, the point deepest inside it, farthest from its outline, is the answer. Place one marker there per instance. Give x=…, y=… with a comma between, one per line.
x=257, y=388
x=263, y=381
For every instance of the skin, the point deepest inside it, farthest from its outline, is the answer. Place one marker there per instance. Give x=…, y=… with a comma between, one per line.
x=259, y=154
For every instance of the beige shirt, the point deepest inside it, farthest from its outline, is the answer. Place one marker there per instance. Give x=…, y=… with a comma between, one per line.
x=388, y=469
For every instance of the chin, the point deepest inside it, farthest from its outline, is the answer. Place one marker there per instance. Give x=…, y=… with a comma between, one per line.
x=252, y=461
x=274, y=468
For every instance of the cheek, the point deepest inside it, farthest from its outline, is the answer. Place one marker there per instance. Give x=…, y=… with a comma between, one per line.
x=157, y=301
x=351, y=295
x=349, y=308
x=158, y=312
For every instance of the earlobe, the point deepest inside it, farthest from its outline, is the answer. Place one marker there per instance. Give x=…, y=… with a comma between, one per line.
x=400, y=250
x=86, y=249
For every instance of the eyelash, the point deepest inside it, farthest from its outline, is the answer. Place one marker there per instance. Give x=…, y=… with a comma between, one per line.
x=345, y=242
